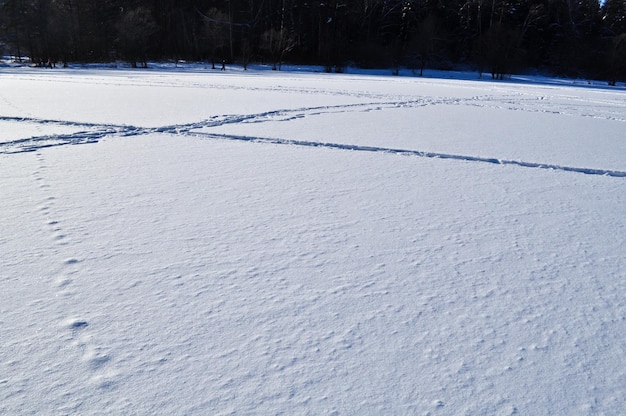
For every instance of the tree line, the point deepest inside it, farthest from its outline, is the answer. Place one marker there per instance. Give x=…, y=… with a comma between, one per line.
x=497, y=37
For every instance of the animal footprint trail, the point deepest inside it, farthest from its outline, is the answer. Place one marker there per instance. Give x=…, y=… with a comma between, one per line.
x=47, y=206
x=52, y=225
x=79, y=333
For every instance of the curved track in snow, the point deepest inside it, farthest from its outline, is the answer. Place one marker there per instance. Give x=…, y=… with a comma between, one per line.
x=92, y=132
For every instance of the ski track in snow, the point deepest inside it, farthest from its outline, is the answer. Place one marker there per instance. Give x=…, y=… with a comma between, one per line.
x=93, y=132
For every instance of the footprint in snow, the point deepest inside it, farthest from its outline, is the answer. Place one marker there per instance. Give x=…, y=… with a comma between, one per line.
x=106, y=380
x=95, y=357
x=62, y=281
x=75, y=323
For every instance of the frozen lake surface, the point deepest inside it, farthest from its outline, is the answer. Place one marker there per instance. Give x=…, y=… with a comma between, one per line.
x=196, y=242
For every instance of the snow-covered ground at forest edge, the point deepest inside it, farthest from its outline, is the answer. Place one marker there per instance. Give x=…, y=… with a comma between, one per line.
x=186, y=241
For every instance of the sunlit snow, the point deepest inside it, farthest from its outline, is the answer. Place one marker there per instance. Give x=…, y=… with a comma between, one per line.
x=185, y=241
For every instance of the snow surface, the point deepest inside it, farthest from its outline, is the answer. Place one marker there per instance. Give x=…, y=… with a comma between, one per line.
x=305, y=243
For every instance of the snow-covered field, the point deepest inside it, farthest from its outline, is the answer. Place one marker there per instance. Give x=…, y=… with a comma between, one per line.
x=199, y=242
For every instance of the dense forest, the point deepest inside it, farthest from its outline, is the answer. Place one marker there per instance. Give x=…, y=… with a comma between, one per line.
x=564, y=37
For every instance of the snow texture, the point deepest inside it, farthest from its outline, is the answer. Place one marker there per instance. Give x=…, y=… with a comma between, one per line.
x=304, y=243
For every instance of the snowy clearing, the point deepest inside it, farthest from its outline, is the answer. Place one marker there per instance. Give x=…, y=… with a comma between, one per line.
x=197, y=242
